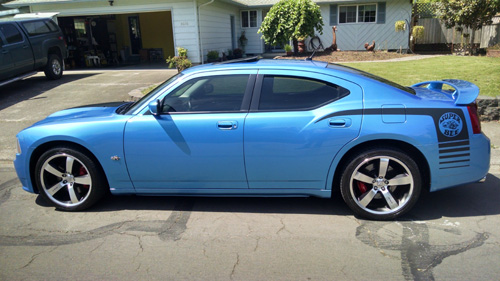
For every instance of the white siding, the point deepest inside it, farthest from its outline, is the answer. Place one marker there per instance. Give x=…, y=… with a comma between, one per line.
x=255, y=45
x=353, y=36
x=185, y=28
x=215, y=27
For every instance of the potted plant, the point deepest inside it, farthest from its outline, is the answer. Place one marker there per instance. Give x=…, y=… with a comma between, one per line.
x=493, y=51
x=301, y=44
x=180, y=61
x=213, y=56
x=288, y=50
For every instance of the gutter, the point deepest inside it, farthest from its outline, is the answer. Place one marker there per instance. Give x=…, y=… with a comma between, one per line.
x=199, y=28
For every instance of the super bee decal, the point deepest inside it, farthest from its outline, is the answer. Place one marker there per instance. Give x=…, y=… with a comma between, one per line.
x=450, y=124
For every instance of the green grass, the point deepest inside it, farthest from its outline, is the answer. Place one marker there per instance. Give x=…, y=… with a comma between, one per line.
x=145, y=91
x=482, y=71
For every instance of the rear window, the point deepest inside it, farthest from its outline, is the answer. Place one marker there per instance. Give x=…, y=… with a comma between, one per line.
x=39, y=27
x=374, y=77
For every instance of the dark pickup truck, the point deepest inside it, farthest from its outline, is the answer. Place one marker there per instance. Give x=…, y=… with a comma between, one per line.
x=28, y=46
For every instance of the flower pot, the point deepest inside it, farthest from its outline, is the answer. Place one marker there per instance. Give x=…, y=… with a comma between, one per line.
x=302, y=47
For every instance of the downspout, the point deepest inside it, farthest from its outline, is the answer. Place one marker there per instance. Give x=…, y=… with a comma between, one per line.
x=199, y=28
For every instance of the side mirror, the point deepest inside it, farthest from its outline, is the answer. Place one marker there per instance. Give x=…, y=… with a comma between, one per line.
x=155, y=107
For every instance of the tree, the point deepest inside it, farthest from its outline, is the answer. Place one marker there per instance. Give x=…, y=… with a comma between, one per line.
x=289, y=20
x=466, y=13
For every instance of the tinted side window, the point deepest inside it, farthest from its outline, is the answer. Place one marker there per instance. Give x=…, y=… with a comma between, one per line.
x=209, y=94
x=36, y=27
x=294, y=93
x=52, y=25
x=11, y=33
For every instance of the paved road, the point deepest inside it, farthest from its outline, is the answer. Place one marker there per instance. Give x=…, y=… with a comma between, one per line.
x=451, y=234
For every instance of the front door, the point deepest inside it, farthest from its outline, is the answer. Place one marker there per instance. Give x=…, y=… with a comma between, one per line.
x=135, y=34
x=197, y=143
x=296, y=127
x=17, y=48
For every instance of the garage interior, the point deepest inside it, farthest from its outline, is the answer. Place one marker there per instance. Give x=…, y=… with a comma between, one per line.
x=117, y=39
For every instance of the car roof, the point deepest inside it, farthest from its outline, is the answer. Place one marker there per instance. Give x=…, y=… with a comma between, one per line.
x=13, y=19
x=257, y=63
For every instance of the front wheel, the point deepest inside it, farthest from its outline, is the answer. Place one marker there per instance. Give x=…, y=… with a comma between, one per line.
x=381, y=183
x=54, y=68
x=69, y=179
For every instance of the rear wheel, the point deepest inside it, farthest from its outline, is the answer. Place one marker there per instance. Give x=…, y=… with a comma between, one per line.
x=54, y=68
x=381, y=183
x=69, y=179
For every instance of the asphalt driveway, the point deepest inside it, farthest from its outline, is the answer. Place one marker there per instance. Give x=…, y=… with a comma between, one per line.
x=451, y=234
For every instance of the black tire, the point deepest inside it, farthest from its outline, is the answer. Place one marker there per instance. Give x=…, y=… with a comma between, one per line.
x=381, y=183
x=54, y=68
x=69, y=179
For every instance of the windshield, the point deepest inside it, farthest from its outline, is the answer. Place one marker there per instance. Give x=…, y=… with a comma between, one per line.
x=134, y=106
x=374, y=77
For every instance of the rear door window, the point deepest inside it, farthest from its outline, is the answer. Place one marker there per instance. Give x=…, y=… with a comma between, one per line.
x=297, y=93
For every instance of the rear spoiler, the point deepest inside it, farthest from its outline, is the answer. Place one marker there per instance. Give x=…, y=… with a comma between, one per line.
x=465, y=92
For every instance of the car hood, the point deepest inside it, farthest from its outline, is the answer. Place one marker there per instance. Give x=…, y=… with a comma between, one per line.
x=83, y=112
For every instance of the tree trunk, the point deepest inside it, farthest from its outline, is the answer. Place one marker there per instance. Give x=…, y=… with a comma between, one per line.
x=473, y=31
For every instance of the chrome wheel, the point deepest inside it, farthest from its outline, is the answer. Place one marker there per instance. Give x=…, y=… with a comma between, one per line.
x=56, y=67
x=65, y=180
x=381, y=185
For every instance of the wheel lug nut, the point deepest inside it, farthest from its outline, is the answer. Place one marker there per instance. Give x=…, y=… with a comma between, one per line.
x=374, y=181
x=386, y=182
x=383, y=188
x=65, y=182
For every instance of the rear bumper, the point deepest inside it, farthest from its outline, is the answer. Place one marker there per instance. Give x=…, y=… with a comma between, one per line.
x=473, y=171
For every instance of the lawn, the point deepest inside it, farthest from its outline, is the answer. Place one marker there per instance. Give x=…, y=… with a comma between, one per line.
x=482, y=71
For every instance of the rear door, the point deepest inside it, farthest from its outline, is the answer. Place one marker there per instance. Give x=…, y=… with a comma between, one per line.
x=297, y=124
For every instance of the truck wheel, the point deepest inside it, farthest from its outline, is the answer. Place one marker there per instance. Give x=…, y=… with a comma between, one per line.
x=54, y=68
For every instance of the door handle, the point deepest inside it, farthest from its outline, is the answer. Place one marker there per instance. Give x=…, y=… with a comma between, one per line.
x=4, y=51
x=340, y=122
x=227, y=125
x=25, y=46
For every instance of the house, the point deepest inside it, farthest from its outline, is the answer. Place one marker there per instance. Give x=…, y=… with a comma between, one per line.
x=151, y=29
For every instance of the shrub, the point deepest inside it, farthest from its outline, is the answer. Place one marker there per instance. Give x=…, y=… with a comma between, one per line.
x=238, y=53
x=213, y=55
x=181, y=61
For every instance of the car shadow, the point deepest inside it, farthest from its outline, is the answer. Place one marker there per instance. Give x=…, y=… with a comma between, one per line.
x=30, y=88
x=471, y=200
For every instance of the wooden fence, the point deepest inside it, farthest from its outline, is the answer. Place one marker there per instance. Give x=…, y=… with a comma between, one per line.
x=436, y=33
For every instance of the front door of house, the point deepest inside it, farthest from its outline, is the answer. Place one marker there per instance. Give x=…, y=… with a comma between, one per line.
x=135, y=34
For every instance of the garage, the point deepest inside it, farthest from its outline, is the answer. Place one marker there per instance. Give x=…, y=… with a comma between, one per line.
x=117, y=39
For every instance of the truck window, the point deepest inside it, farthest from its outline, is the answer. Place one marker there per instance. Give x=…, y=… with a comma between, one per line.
x=11, y=33
x=36, y=27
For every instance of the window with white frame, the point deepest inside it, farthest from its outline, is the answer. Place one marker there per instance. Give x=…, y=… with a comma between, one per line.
x=249, y=19
x=358, y=13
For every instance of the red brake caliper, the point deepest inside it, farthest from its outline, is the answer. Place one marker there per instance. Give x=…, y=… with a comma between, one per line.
x=362, y=187
x=83, y=172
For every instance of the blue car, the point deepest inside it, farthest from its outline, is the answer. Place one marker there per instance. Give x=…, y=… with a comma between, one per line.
x=258, y=127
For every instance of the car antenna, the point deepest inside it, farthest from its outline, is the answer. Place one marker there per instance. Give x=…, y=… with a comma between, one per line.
x=311, y=56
